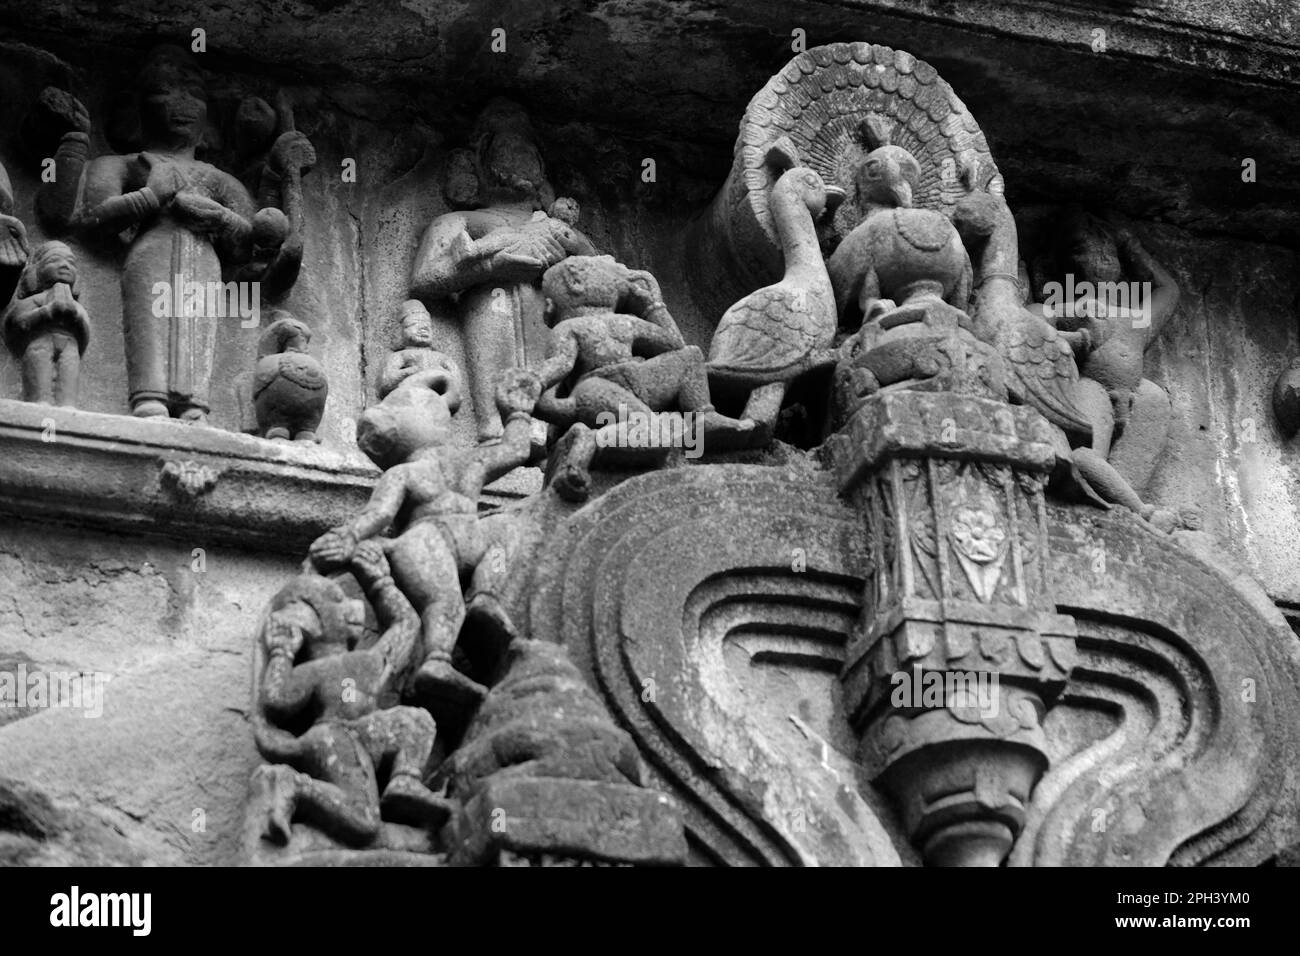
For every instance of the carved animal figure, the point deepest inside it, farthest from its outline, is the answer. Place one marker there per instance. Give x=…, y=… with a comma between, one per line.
x=13, y=241
x=1041, y=369
x=429, y=494
x=778, y=333
x=616, y=364
x=289, y=385
x=898, y=262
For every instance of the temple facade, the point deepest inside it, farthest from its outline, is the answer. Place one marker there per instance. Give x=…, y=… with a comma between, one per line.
x=790, y=434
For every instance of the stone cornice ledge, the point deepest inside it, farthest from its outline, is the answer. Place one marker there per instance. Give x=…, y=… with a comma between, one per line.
x=122, y=474
x=1205, y=37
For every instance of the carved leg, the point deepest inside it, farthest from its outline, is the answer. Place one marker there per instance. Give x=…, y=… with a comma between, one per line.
x=1137, y=452
x=490, y=316
x=762, y=408
x=570, y=474
x=404, y=734
x=69, y=369
x=1095, y=403
x=145, y=335
x=334, y=787
x=1106, y=481
x=428, y=572
x=38, y=370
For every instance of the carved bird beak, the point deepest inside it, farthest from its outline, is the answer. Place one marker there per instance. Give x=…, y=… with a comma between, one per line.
x=834, y=197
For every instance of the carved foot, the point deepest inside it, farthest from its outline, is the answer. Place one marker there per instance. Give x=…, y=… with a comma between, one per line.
x=408, y=801
x=149, y=409
x=721, y=433
x=1162, y=518
x=572, y=482
x=278, y=433
x=439, y=680
x=569, y=475
x=194, y=416
x=715, y=423
x=281, y=786
x=491, y=614
x=306, y=435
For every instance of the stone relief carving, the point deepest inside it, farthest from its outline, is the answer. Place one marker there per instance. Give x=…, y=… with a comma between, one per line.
x=443, y=661
x=777, y=334
x=13, y=240
x=928, y=540
x=622, y=371
x=415, y=353
x=327, y=772
x=182, y=221
x=1129, y=413
x=46, y=327
x=289, y=387
x=430, y=488
x=1286, y=398
x=491, y=255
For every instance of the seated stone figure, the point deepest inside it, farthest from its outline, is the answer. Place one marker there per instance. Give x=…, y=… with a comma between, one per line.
x=47, y=328
x=430, y=491
x=328, y=772
x=416, y=352
x=1122, y=299
x=619, y=365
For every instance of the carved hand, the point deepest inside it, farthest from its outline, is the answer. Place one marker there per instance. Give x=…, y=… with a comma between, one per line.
x=517, y=267
x=518, y=391
x=334, y=549
x=65, y=112
x=292, y=153
x=199, y=211
x=165, y=178
x=283, y=637
x=61, y=302
x=643, y=289
x=520, y=253
x=369, y=563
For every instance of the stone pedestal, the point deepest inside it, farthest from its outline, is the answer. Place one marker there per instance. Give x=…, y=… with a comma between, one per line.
x=959, y=651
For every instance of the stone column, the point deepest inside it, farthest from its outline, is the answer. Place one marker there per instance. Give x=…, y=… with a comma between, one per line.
x=959, y=651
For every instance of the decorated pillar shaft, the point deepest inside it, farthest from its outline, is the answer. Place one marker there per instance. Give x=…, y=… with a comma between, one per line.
x=959, y=651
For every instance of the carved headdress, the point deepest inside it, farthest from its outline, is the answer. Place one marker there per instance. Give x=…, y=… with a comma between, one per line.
x=470, y=170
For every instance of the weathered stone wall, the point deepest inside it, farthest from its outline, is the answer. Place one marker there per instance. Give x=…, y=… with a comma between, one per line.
x=607, y=92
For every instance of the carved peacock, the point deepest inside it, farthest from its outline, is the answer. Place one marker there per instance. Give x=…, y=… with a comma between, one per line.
x=289, y=386
x=899, y=261
x=1041, y=369
x=780, y=332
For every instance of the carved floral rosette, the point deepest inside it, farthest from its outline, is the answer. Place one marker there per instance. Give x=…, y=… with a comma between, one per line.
x=951, y=489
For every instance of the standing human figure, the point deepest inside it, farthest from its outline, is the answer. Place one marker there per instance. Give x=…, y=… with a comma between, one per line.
x=490, y=256
x=182, y=220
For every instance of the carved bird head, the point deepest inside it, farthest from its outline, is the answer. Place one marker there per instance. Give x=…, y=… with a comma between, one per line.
x=888, y=176
x=803, y=182
x=284, y=334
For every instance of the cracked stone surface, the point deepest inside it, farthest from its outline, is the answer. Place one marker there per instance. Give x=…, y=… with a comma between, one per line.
x=1157, y=130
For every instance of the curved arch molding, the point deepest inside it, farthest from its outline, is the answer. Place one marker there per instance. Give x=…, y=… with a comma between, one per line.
x=710, y=606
